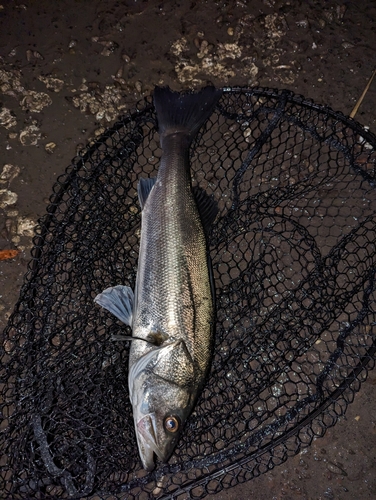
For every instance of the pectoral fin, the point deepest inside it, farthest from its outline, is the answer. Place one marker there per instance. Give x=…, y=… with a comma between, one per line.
x=119, y=301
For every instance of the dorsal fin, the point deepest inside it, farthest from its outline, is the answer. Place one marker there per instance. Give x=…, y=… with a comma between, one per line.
x=207, y=207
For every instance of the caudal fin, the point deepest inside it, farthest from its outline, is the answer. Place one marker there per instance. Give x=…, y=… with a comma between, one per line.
x=183, y=112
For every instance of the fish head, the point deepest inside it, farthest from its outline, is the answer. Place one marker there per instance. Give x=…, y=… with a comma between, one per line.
x=163, y=392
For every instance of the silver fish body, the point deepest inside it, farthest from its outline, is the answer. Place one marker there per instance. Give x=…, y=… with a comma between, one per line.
x=171, y=313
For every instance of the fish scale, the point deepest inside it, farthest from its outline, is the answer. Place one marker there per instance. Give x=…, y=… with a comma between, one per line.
x=177, y=275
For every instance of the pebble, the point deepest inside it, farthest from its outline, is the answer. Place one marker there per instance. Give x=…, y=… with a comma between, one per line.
x=7, y=198
x=119, y=81
x=30, y=136
x=54, y=84
x=204, y=48
x=7, y=118
x=106, y=43
x=303, y=23
x=336, y=469
x=119, y=73
x=35, y=101
x=83, y=87
x=25, y=227
x=106, y=52
x=138, y=87
x=37, y=55
x=50, y=147
x=9, y=173
x=99, y=131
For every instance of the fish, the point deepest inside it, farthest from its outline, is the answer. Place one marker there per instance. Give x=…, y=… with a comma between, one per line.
x=171, y=311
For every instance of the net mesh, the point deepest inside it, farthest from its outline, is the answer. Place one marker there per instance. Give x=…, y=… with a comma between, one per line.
x=293, y=252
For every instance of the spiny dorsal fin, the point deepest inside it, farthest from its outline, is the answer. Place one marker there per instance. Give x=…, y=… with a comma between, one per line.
x=143, y=189
x=207, y=207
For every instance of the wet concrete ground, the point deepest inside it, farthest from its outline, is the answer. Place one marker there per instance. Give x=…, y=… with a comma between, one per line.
x=69, y=68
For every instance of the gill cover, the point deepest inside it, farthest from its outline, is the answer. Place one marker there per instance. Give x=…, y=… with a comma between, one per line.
x=171, y=362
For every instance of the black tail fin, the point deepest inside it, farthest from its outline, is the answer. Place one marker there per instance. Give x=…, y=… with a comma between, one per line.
x=183, y=112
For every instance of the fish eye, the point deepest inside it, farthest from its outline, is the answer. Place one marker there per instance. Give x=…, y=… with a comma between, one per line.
x=171, y=423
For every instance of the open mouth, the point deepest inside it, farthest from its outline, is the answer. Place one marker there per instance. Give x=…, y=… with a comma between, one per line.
x=149, y=444
x=147, y=441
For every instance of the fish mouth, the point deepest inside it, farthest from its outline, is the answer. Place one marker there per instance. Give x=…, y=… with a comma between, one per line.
x=148, y=442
